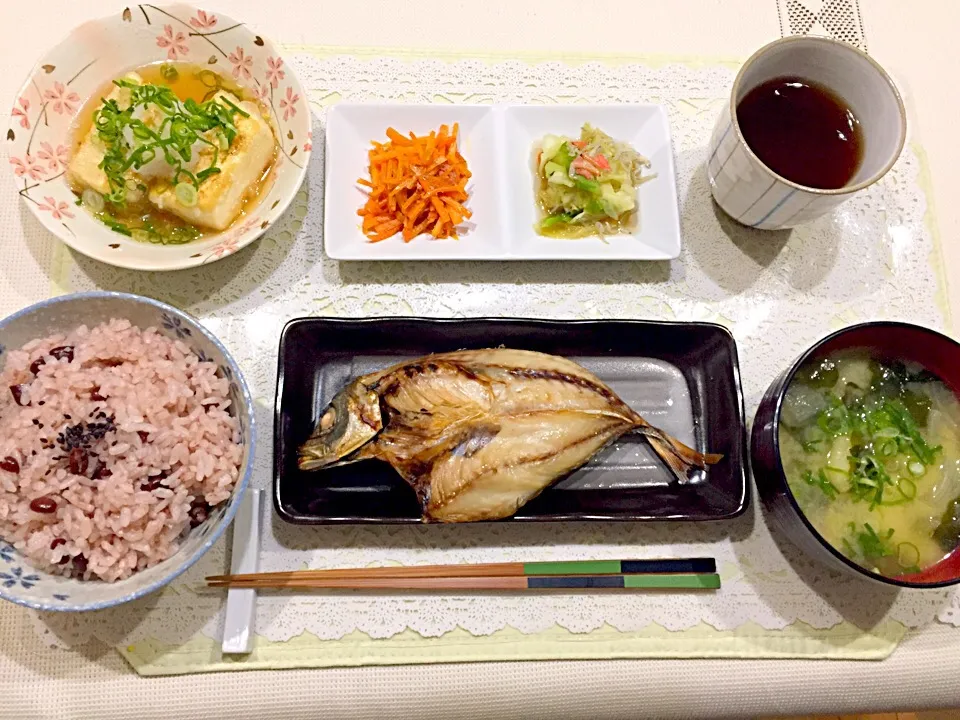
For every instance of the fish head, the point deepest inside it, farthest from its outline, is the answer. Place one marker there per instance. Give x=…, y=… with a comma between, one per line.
x=350, y=421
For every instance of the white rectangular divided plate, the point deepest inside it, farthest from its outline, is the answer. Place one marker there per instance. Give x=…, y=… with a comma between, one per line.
x=497, y=143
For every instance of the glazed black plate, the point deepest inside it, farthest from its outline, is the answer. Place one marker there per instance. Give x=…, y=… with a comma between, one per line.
x=681, y=377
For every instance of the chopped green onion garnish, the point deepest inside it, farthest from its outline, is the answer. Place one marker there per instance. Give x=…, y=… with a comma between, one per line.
x=908, y=555
x=236, y=108
x=169, y=72
x=131, y=144
x=907, y=488
x=186, y=194
x=204, y=174
x=905, y=423
x=873, y=544
x=111, y=222
x=821, y=481
x=92, y=200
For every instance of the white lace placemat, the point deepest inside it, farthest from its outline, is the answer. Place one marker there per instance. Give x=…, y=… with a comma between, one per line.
x=778, y=292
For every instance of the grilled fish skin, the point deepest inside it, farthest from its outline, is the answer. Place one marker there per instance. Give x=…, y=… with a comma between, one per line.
x=479, y=433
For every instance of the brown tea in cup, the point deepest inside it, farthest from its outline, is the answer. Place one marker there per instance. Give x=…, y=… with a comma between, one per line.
x=803, y=131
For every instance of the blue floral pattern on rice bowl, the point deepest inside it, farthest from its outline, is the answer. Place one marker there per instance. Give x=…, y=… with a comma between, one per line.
x=22, y=583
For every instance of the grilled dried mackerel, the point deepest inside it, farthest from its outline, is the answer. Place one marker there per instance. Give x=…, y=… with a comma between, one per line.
x=479, y=433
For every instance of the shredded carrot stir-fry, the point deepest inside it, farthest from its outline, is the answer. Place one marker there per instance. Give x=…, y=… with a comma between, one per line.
x=418, y=184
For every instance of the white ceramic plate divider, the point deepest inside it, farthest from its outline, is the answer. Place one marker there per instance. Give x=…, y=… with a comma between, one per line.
x=497, y=142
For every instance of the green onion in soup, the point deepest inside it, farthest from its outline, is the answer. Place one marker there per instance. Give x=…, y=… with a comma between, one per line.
x=871, y=450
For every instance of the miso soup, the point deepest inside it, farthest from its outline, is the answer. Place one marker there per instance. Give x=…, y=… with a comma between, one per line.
x=871, y=451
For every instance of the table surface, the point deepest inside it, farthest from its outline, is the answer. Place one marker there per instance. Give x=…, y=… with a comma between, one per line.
x=913, y=40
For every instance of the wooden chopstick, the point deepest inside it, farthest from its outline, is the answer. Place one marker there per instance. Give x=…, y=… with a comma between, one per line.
x=645, y=581
x=531, y=569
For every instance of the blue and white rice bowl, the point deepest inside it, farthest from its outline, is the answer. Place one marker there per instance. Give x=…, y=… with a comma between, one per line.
x=23, y=583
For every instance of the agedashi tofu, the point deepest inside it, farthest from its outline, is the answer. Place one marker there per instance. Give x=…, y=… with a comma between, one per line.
x=221, y=196
x=172, y=151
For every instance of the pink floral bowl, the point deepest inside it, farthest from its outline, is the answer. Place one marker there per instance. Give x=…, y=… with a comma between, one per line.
x=40, y=134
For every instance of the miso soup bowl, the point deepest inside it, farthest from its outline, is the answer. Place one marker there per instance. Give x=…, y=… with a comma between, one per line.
x=909, y=343
x=46, y=109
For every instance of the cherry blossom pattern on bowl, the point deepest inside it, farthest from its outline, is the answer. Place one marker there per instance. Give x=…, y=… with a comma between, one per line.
x=42, y=118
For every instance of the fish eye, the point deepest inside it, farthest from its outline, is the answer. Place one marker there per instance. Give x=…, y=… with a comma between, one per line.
x=328, y=419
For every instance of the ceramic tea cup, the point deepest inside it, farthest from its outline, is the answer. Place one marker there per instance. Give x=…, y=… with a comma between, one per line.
x=751, y=192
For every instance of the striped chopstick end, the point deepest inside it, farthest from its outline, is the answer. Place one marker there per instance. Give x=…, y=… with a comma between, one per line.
x=676, y=581
x=621, y=567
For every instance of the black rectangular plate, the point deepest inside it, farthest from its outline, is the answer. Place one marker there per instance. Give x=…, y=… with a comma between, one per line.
x=681, y=377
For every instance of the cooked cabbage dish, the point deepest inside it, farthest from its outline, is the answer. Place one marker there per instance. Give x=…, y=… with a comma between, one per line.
x=588, y=186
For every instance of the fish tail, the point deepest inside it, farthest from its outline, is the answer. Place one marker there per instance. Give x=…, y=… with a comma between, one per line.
x=678, y=456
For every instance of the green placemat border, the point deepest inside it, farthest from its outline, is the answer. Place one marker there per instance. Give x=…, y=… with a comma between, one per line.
x=202, y=654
